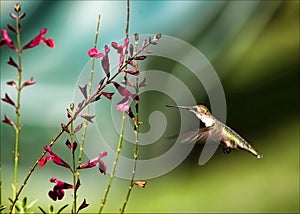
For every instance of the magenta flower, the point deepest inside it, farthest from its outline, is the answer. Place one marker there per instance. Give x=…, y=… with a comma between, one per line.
x=123, y=105
x=6, y=40
x=55, y=158
x=94, y=53
x=58, y=190
x=39, y=38
x=94, y=162
x=121, y=49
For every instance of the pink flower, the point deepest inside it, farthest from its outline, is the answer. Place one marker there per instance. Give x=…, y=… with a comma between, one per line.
x=123, y=105
x=121, y=49
x=54, y=157
x=39, y=38
x=6, y=40
x=94, y=162
x=58, y=190
x=94, y=53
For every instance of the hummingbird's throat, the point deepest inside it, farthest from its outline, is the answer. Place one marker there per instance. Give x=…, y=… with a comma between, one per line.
x=207, y=120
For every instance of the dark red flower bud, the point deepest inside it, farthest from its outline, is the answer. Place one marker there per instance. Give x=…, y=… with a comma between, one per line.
x=8, y=121
x=12, y=83
x=88, y=117
x=108, y=95
x=83, y=205
x=12, y=62
x=139, y=57
x=8, y=100
x=28, y=83
x=83, y=90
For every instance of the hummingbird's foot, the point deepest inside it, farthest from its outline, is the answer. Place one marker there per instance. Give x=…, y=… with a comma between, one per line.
x=226, y=150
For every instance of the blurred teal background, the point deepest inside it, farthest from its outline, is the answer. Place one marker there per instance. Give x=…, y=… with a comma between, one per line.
x=254, y=48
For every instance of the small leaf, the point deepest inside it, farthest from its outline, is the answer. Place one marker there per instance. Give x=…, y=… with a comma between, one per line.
x=24, y=201
x=11, y=28
x=83, y=90
x=14, y=16
x=12, y=62
x=77, y=184
x=131, y=71
x=130, y=114
x=8, y=100
x=83, y=205
x=65, y=128
x=123, y=91
x=105, y=65
x=144, y=44
x=127, y=82
x=143, y=83
x=96, y=98
x=131, y=50
x=51, y=209
x=68, y=144
x=147, y=50
x=108, y=95
x=22, y=15
x=101, y=82
x=78, y=128
x=2, y=207
x=88, y=117
x=80, y=104
x=139, y=57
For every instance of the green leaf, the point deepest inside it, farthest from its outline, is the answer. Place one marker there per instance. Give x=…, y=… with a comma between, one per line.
x=42, y=210
x=62, y=208
x=2, y=207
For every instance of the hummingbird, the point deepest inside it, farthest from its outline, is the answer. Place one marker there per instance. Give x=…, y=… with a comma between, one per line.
x=217, y=130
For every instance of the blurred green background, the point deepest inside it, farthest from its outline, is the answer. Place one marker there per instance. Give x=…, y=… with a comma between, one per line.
x=254, y=48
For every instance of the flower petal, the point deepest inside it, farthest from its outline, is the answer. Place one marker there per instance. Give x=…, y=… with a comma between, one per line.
x=123, y=105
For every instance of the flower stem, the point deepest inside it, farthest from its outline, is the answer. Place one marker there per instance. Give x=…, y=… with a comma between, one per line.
x=74, y=171
x=136, y=148
x=85, y=104
x=112, y=175
x=121, y=137
x=18, y=111
x=90, y=86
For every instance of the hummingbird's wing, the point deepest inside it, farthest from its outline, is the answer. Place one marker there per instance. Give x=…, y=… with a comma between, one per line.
x=201, y=135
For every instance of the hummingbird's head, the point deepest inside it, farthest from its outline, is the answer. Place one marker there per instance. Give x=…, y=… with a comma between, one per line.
x=200, y=111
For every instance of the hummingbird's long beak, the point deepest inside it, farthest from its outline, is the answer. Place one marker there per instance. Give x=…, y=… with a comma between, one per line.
x=182, y=107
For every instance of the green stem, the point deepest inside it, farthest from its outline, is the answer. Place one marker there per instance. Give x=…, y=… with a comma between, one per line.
x=112, y=175
x=136, y=148
x=135, y=157
x=90, y=87
x=18, y=111
x=121, y=138
x=74, y=171
x=86, y=103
